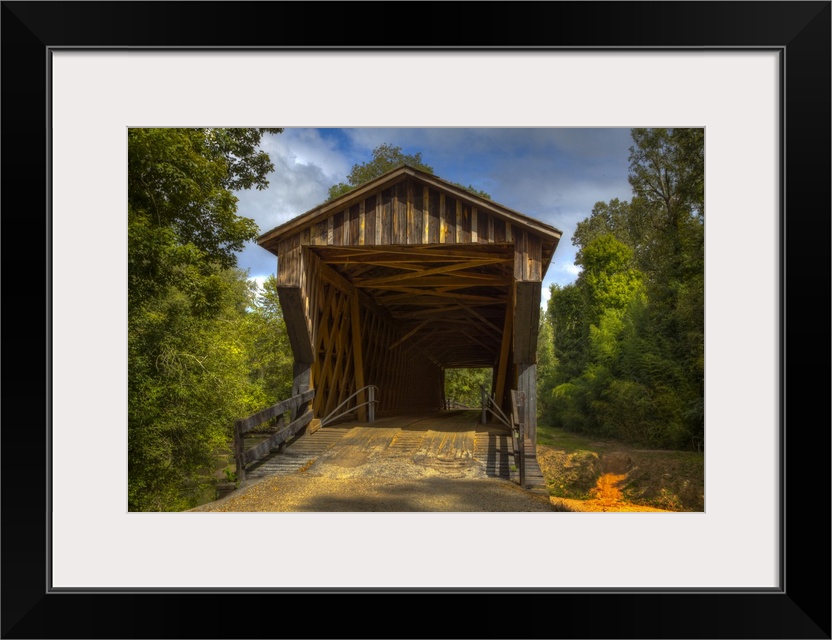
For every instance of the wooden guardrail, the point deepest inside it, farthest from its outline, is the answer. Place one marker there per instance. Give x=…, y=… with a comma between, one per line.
x=301, y=416
x=518, y=411
x=516, y=425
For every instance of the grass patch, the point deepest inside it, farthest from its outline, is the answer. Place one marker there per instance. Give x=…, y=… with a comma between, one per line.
x=570, y=441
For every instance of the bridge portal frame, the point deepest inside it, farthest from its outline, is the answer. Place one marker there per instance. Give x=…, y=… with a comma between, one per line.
x=404, y=277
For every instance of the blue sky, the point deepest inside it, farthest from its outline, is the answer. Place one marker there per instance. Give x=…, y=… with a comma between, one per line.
x=555, y=175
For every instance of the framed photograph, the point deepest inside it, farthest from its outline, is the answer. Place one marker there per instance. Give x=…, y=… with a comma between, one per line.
x=755, y=75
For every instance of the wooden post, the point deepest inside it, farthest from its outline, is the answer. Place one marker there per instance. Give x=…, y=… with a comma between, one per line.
x=527, y=383
x=357, y=357
x=238, y=452
x=291, y=303
x=502, y=373
x=521, y=436
x=526, y=323
x=302, y=372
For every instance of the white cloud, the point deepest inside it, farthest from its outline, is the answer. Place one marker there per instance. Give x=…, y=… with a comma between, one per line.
x=554, y=175
x=305, y=166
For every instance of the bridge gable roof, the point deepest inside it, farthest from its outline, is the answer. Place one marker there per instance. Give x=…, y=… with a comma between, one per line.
x=548, y=234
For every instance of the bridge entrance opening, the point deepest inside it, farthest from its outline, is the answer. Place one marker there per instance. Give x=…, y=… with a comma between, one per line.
x=463, y=387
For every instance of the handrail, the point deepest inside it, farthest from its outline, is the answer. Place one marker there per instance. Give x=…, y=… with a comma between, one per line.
x=299, y=404
x=371, y=401
x=494, y=409
x=452, y=403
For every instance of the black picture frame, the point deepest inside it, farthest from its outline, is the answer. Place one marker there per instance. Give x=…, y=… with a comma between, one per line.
x=800, y=31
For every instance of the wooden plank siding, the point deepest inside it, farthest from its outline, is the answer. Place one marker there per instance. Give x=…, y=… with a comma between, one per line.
x=526, y=321
x=338, y=229
x=354, y=234
x=499, y=230
x=385, y=218
x=450, y=220
x=289, y=261
x=370, y=220
x=434, y=223
x=463, y=223
x=415, y=199
x=399, y=213
x=406, y=181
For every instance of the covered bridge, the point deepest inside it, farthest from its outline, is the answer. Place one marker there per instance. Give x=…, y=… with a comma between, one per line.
x=404, y=277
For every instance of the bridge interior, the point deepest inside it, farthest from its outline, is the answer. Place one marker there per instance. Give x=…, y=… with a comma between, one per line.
x=449, y=302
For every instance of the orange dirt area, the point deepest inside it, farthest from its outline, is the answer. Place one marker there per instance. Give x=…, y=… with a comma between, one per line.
x=606, y=497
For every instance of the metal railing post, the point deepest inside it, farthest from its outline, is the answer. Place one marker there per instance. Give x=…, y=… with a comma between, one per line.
x=482, y=402
x=372, y=412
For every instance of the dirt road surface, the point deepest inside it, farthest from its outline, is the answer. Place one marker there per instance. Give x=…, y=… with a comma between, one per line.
x=428, y=463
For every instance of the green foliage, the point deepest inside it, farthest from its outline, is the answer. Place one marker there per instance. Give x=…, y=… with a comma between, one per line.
x=387, y=157
x=271, y=358
x=182, y=180
x=188, y=382
x=608, y=280
x=667, y=168
x=190, y=336
x=628, y=335
x=617, y=218
x=546, y=364
x=566, y=313
x=463, y=385
x=472, y=189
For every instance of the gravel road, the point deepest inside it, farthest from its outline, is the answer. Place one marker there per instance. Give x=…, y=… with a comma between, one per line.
x=304, y=492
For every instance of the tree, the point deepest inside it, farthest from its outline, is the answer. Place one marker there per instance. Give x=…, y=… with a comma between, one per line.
x=188, y=381
x=188, y=343
x=463, y=385
x=567, y=316
x=386, y=157
x=182, y=179
x=667, y=168
x=608, y=278
x=546, y=366
x=629, y=333
x=271, y=359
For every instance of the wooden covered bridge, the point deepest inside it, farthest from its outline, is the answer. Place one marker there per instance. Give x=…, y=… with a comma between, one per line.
x=402, y=278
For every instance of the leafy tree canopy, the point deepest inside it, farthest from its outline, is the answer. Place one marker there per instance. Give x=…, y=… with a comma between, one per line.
x=667, y=168
x=182, y=179
x=387, y=157
x=197, y=358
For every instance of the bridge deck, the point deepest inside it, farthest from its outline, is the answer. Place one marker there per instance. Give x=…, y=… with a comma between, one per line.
x=447, y=443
